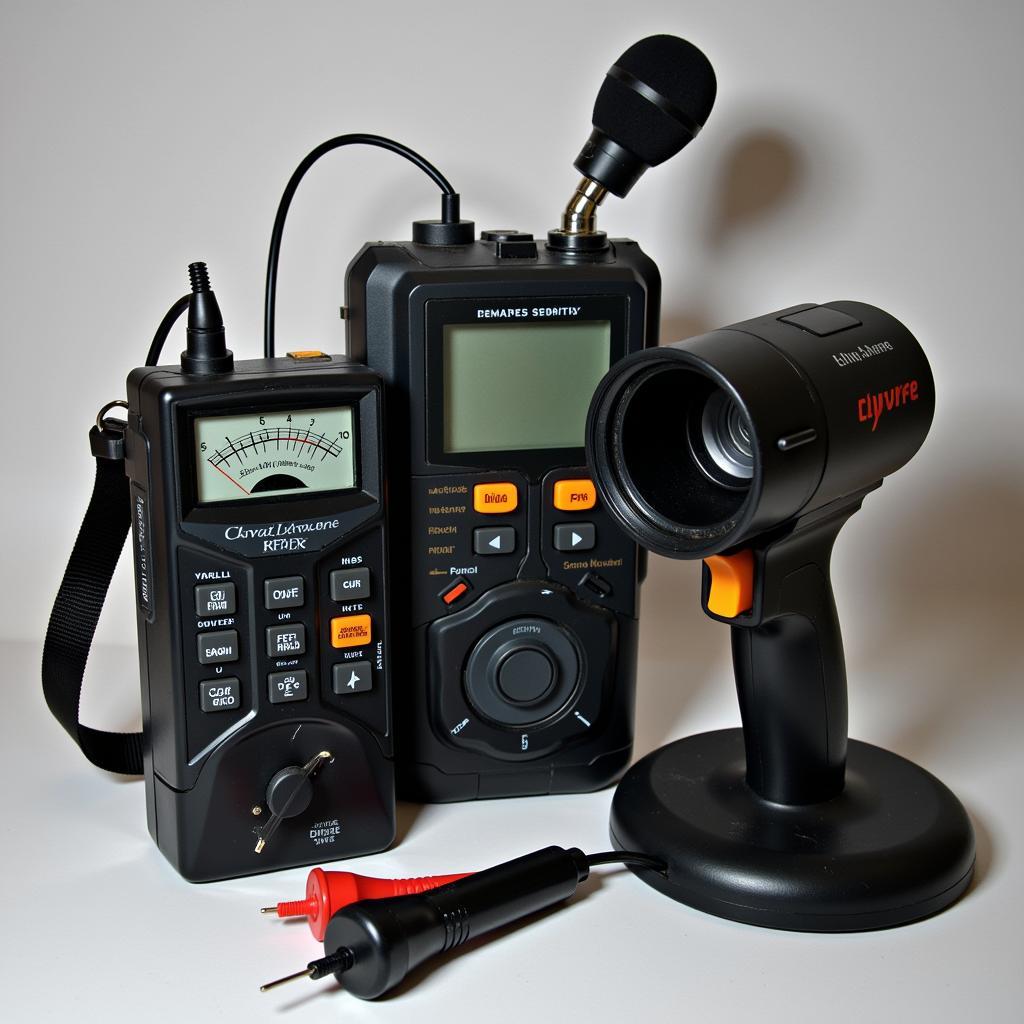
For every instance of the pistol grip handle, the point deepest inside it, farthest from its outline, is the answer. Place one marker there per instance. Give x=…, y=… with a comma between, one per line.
x=791, y=682
x=788, y=661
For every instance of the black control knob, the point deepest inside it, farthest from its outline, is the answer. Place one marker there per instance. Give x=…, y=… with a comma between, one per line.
x=525, y=676
x=289, y=792
x=522, y=672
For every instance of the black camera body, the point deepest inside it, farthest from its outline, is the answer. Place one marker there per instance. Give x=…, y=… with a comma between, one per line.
x=515, y=598
x=261, y=566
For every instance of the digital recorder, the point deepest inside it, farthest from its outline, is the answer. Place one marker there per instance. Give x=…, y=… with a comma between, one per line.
x=518, y=606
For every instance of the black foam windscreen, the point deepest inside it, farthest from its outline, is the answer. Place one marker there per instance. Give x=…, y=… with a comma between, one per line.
x=656, y=97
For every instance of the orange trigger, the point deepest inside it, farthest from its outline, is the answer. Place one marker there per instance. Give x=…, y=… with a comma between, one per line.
x=732, y=583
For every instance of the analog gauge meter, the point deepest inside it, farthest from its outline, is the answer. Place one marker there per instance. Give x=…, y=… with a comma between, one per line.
x=274, y=453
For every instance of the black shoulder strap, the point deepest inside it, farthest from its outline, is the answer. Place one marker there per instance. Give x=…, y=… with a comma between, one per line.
x=79, y=601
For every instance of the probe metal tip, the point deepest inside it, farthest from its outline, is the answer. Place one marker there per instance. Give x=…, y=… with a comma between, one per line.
x=260, y=843
x=268, y=910
x=306, y=972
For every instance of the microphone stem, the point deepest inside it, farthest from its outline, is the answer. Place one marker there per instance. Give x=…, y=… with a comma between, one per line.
x=580, y=217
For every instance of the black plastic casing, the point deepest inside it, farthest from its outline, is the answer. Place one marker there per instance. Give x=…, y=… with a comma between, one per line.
x=398, y=296
x=206, y=773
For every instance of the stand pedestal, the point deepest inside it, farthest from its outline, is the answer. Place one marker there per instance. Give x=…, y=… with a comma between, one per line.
x=894, y=845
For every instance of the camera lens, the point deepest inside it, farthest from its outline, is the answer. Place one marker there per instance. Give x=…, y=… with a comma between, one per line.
x=654, y=455
x=727, y=437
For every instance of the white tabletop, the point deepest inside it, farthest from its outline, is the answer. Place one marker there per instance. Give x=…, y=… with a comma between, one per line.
x=99, y=927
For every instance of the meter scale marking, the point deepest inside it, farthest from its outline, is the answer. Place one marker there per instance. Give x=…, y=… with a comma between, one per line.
x=265, y=454
x=308, y=444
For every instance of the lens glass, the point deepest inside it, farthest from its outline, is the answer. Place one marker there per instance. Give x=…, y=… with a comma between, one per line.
x=726, y=439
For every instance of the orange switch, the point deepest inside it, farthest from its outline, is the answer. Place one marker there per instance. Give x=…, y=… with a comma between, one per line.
x=495, y=498
x=307, y=353
x=574, y=495
x=732, y=583
x=351, y=630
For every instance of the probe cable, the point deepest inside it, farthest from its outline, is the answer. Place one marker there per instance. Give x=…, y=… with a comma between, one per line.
x=449, y=209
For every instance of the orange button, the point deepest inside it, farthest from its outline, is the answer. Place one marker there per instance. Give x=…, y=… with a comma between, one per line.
x=350, y=631
x=732, y=583
x=493, y=499
x=307, y=353
x=575, y=495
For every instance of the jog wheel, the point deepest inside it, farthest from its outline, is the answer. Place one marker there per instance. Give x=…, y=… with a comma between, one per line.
x=522, y=672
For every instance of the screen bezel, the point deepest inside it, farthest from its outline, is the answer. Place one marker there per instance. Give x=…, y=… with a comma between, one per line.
x=441, y=313
x=303, y=505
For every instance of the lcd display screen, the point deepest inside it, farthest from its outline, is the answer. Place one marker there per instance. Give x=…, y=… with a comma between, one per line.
x=512, y=387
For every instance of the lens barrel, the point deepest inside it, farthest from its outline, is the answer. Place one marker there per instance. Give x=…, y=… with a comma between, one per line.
x=697, y=446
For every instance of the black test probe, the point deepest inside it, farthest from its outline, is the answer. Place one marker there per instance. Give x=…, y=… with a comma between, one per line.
x=372, y=945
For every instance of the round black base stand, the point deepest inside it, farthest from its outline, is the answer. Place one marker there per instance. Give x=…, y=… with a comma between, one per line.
x=895, y=846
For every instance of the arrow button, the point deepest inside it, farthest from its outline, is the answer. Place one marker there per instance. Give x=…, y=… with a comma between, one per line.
x=494, y=540
x=352, y=677
x=575, y=536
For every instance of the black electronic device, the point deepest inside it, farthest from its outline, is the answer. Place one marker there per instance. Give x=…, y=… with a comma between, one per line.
x=750, y=447
x=517, y=608
x=518, y=603
x=256, y=497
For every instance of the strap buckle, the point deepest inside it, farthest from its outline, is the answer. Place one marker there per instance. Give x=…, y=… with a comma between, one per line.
x=106, y=437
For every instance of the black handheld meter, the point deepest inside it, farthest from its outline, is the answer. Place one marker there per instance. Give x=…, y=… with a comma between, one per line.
x=519, y=604
x=261, y=567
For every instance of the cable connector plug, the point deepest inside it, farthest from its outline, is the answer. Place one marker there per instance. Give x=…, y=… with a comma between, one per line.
x=206, y=350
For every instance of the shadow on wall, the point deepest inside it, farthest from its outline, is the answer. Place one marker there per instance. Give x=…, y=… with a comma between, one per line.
x=759, y=175
x=939, y=636
x=761, y=171
x=776, y=180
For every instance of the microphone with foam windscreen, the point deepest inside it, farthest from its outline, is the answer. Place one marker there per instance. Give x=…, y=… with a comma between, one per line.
x=654, y=100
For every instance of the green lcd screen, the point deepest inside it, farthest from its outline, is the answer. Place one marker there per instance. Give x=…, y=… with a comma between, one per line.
x=511, y=387
x=273, y=453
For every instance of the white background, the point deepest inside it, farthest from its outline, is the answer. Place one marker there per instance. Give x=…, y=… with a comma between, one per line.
x=867, y=151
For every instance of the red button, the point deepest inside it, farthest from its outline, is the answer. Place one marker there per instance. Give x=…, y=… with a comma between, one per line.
x=454, y=592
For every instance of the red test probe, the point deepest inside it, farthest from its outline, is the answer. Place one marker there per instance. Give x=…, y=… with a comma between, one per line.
x=327, y=892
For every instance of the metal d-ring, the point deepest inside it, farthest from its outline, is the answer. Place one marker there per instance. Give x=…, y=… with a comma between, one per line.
x=103, y=412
